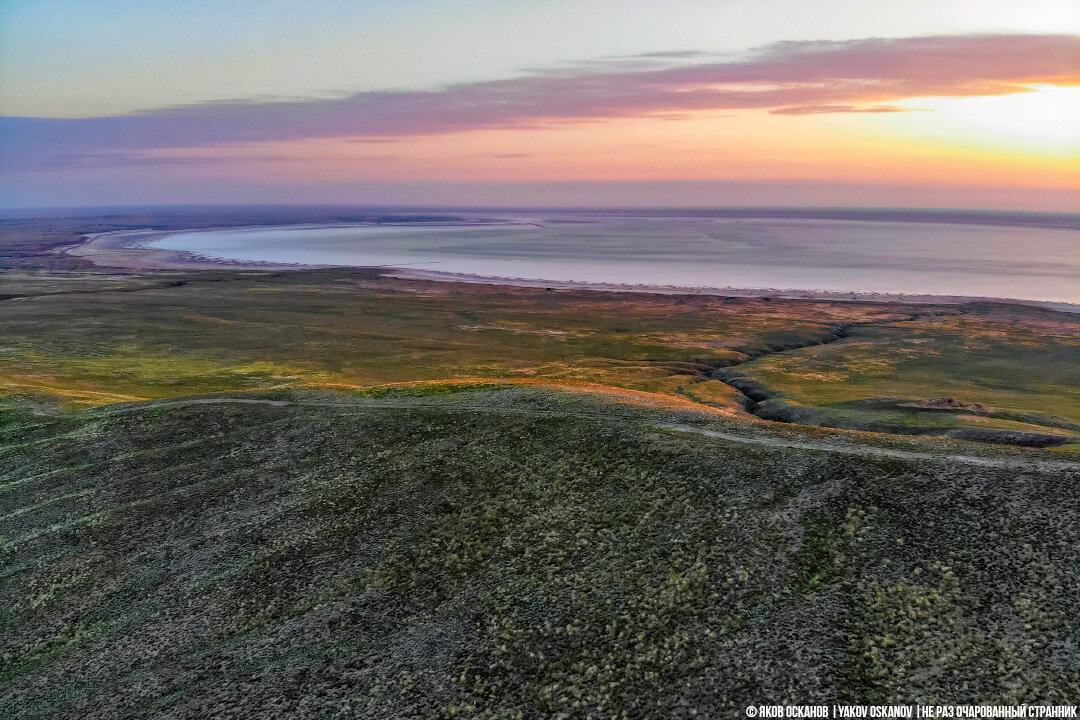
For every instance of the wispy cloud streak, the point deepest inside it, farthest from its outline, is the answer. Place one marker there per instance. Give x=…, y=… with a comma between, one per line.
x=790, y=78
x=828, y=109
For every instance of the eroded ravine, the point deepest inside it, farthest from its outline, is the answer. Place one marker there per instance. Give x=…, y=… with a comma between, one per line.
x=754, y=396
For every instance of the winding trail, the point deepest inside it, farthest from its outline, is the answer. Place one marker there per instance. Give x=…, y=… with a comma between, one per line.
x=771, y=441
x=1029, y=464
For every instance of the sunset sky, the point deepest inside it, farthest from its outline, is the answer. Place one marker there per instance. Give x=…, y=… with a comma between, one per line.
x=943, y=103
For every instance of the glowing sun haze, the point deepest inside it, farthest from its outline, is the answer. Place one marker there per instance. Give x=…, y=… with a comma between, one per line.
x=950, y=103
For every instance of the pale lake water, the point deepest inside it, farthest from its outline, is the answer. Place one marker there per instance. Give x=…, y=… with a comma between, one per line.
x=1022, y=256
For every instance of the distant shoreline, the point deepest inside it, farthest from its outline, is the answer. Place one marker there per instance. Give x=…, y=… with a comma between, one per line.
x=128, y=249
x=1047, y=219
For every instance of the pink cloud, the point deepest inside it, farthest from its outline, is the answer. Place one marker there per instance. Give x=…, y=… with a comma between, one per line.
x=791, y=78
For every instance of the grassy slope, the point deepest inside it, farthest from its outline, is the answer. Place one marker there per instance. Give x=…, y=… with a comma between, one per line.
x=234, y=561
x=88, y=339
x=228, y=331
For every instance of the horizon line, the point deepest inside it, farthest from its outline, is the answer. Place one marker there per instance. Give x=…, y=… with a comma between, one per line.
x=547, y=208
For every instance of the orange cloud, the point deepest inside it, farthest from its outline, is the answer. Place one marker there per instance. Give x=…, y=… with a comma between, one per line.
x=827, y=109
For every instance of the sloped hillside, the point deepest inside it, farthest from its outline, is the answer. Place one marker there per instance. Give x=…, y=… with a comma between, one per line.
x=518, y=555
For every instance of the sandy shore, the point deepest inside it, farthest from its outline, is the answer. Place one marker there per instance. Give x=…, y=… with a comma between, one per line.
x=128, y=249
x=779, y=293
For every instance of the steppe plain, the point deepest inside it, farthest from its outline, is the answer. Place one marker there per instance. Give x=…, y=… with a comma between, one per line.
x=237, y=491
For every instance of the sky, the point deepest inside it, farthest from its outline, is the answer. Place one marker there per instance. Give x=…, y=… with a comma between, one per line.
x=942, y=103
